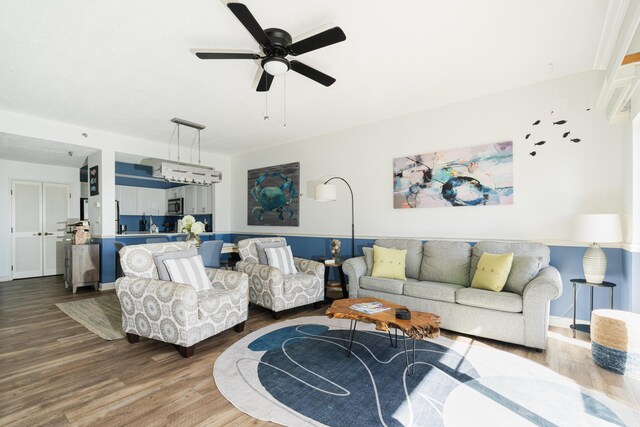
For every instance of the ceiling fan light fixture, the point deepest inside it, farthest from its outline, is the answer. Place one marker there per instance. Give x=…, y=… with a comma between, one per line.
x=275, y=65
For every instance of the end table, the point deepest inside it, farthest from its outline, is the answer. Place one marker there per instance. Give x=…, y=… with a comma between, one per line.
x=327, y=269
x=575, y=282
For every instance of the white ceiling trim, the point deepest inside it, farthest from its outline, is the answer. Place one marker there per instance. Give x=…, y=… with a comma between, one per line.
x=613, y=21
x=621, y=80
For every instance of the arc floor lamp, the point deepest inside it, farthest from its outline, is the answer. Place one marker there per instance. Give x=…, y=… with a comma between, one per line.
x=327, y=193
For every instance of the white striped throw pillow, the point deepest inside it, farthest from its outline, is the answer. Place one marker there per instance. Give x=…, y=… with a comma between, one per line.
x=189, y=271
x=282, y=259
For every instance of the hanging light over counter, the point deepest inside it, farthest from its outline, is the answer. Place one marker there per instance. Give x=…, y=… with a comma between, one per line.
x=187, y=173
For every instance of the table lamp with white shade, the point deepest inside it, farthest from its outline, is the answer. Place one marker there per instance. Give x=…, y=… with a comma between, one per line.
x=596, y=229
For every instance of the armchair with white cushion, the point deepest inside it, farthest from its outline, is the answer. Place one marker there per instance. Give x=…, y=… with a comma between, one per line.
x=175, y=312
x=271, y=289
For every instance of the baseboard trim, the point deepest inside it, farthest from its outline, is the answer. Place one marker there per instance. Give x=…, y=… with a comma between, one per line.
x=107, y=286
x=5, y=278
x=560, y=322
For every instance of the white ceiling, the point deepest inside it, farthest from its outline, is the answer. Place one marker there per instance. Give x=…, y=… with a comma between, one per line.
x=125, y=66
x=33, y=150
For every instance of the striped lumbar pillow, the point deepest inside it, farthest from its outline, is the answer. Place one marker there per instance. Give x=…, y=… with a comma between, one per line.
x=189, y=271
x=282, y=259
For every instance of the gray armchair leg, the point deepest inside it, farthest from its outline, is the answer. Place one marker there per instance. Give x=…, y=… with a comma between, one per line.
x=276, y=314
x=132, y=338
x=317, y=304
x=239, y=327
x=185, y=351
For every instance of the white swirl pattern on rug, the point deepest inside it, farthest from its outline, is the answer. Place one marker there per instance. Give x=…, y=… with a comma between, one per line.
x=297, y=373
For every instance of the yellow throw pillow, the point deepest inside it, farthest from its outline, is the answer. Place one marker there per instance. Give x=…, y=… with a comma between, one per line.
x=389, y=263
x=492, y=272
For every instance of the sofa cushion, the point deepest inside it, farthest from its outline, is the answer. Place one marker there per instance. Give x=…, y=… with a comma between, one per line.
x=516, y=248
x=432, y=290
x=492, y=271
x=159, y=259
x=389, y=263
x=390, y=286
x=500, y=301
x=414, y=253
x=189, y=271
x=446, y=262
x=523, y=270
x=368, y=259
x=282, y=259
x=261, y=246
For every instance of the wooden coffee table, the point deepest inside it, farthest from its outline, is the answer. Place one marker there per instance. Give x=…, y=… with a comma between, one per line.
x=421, y=325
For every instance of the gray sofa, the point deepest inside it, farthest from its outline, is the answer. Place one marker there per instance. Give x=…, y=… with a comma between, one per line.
x=439, y=275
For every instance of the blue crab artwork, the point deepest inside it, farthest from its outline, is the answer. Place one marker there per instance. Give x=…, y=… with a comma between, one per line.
x=274, y=199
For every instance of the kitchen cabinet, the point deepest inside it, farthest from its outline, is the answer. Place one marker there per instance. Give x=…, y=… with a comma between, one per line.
x=139, y=200
x=176, y=192
x=204, y=199
x=198, y=199
x=151, y=201
x=128, y=197
x=190, y=203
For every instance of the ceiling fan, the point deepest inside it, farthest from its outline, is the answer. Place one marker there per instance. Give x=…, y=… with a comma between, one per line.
x=276, y=45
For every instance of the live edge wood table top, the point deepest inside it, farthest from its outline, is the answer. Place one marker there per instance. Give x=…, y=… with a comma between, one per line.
x=421, y=325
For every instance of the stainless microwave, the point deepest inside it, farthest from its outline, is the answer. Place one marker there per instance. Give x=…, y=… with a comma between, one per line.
x=175, y=207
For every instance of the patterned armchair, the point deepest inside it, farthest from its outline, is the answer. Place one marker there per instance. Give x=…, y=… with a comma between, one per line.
x=173, y=312
x=269, y=288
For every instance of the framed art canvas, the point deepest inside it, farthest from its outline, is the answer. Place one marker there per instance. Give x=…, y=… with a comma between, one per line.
x=472, y=176
x=272, y=195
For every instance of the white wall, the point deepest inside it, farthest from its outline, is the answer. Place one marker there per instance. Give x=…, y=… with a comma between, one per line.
x=111, y=143
x=631, y=184
x=563, y=179
x=10, y=170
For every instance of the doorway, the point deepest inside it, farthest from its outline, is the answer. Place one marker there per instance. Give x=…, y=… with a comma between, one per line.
x=39, y=215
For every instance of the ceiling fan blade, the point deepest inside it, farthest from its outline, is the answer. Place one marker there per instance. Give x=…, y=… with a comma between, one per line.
x=211, y=54
x=312, y=73
x=265, y=82
x=246, y=18
x=325, y=38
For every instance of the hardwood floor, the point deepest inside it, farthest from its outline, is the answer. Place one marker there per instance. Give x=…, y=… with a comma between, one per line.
x=53, y=371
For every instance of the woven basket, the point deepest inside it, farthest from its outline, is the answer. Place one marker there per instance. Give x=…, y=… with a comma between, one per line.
x=615, y=341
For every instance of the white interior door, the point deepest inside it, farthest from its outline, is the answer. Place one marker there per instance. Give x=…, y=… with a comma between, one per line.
x=26, y=223
x=56, y=209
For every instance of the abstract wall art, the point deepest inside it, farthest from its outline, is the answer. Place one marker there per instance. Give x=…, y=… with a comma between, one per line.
x=473, y=176
x=272, y=195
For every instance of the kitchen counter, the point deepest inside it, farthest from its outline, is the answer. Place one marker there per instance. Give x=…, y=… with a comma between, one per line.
x=147, y=234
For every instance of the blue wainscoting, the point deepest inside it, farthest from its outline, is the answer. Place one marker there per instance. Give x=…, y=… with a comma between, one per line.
x=567, y=259
x=108, y=250
x=623, y=268
x=631, y=272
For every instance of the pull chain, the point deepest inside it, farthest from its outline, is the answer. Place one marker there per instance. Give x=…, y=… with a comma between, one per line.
x=266, y=101
x=284, y=103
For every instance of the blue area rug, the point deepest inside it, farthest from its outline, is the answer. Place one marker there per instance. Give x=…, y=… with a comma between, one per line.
x=297, y=373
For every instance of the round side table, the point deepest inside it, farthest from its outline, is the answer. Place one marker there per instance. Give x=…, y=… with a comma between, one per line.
x=576, y=282
x=327, y=268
